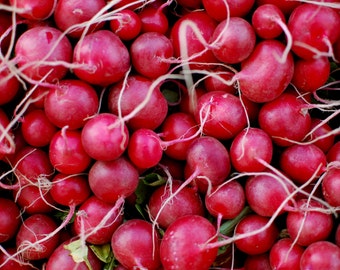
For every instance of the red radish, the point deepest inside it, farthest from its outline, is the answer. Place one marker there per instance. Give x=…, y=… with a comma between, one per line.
x=110, y=180
x=186, y=202
x=32, y=165
x=126, y=24
x=301, y=223
x=223, y=9
x=150, y=54
x=227, y=199
x=190, y=4
x=216, y=81
x=311, y=74
x=7, y=145
x=66, y=152
x=34, y=200
x=37, y=129
x=321, y=135
x=139, y=101
x=331, y=186
x=70, y=14
x=233, y=40
x=144, y=149
x=286, y=6
x=208, y=161
x=266, y=73
x=257, y=262
x=36, y=238
x=284, y=119
x=5, y=24
x=303, y=162
x=221, y=114
x=102, y=132
x=175, y=127
x=266, y=193
x=153, y=19
x=7, y=81
x=97, y=220
x=333, y=153
x=76, y=101
x=284, y=254
x=12, y=261
x=321, y=255
x=70, y=190
x=248, y=147
x=38, y=50
x=314, y=28
x=10, y=219
x=34, y=10
x=266, y=21
x=184, y=244
x=101, y=67
x=187, y=44
x=64, y=256
x=259, y=242
x=135, y=245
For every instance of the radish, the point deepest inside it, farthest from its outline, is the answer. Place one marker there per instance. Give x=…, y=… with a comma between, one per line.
x=213, y=83
x=69, y=15
x=321, y=135
x=257, y=262
x=184, y=244
x=286, y=6
x=37, y=129
x=66, y=152
x=301, y=222
x=37, y=237
x=150, y=53
x=65, y=256
x=110, y=180
x=330, y=186
x=32, y=165
x=310, y=75
x=175, y=127
x=303, y=162
x=222, y=9
x=321, y=255
x=314, y=28
x=96, y=220
x=76, y=101
x=208, y=162
x=266, y=73
x=268, y=194
x=10, y=219
x=333, y=153
x=10, y=260
x=233, y=40
x=7, y=83
x=226, y=200
x=284, y=254
x=139, y=102
x=286, y=106
x=101, y=67
x=153, y=19
x=221, y=114
x=34, y=199
x=127, y=24
x=256, y=243
x=144, y=149
x=102, y=132
x=267, y=20
x=34, y=10
x=248, y=147
x=70, y=190
x=137, y=237
x=43, y=52
x=186, y=202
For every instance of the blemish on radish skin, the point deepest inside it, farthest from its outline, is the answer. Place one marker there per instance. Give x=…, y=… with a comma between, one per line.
x=78, y=11
x=49, y=37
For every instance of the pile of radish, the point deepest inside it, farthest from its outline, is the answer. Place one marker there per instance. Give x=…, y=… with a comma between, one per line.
x=164, y=134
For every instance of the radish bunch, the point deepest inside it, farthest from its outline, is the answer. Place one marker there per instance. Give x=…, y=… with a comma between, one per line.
x=154, y=134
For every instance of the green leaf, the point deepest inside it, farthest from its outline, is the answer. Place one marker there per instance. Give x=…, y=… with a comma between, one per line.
x=79, y=252
x=103, y=252
x=154, y=180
